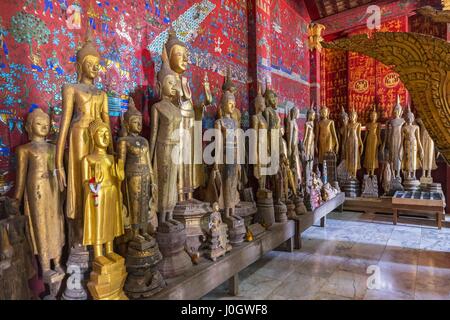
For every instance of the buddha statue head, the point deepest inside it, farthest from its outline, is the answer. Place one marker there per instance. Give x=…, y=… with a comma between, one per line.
x=398, y=109
x=353, y=116
x=133, y=118
x=228, y=104
x=409, y=115
x=88, y=60
x=260, y=103
x=38, y=124
x=100, y=134
x=344, y=116
x=311, y=114
x=373, y=114
x=270, y=97
x=293, y=113
x=324, y=112
x=167, y=79
x=176, y=52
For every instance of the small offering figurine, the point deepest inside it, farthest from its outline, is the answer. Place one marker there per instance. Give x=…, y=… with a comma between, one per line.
x=103, y=220
x=217, y=243
x=37, y=186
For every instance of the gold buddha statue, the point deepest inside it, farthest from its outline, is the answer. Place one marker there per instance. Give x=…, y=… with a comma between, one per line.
x=429, y=153
x=309, y=142
x=260, y=151
x=133, y=150
x=82, y=103
x=103, y=216
x=412, y=147
x=166, y=118
x=327, y=138
x=191, y=174
x=393, y=140
x=354, y=145
x=37, y=186
x=372, y=141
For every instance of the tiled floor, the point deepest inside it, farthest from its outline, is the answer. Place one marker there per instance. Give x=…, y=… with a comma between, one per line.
x=413, y=262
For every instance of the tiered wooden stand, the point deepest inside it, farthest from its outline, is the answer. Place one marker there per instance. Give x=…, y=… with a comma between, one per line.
x=304, y=221
x=207, y=275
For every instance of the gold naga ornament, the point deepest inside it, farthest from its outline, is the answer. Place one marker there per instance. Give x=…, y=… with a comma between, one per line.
x=103, y=218
x=82, y=103
x=439, y=16
x=423, y=64
x=37, y=186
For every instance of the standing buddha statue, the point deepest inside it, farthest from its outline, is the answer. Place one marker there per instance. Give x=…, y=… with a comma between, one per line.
x=82, y=103
x=103, y=217
x=327, y=138
x=309, y=144
x=393, y=140
x=372, y=141
x=354, y=148
x=292, y=133
x=412, y=151
x=342, y=132
x=429, y=154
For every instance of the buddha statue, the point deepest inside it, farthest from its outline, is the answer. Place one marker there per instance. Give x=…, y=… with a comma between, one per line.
x=429, y=153
x=133, y=150
x=309, y=140
x=37, y=187
x=354, y=145
x=82, y=103
x=166, y=118
x=292, y=137
x=393, y=140
x=103, y=218
x=327, y=138
x=412, y=147
x=342, y=132
x=372, y=141
x=191, y=174
x=260, y=151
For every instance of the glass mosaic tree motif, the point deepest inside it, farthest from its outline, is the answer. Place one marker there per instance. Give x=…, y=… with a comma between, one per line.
x=26, y=27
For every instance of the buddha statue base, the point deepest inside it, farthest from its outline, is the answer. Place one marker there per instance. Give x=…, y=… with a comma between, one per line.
x=246, y=210
x=236, y=229
x=53, y=279
x=78, y=269
x=432, y=187
x=191, y=213
x=370, y=187
x=351, y=188
x=280, y=212
x=396, y=185
x=426, y=180
x=290, y=206
x=411, y=184
x=172, y=243
x=217, y=238
x=108, y=278
x=144, y=280
x=300, y=207
x=265, y=214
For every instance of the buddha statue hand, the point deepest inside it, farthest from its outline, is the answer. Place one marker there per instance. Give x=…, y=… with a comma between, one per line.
x=61, y=176
x=120, y=167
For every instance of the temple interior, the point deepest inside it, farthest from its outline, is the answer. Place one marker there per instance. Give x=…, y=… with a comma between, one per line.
x=224, y=149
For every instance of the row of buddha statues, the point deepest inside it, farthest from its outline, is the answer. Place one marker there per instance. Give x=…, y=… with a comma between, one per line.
x=133, y=215
x=406, y=148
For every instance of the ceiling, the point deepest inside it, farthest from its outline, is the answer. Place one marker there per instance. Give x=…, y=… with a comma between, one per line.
x=319, y=9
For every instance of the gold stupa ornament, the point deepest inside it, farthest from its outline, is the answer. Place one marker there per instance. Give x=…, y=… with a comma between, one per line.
x=315, y=36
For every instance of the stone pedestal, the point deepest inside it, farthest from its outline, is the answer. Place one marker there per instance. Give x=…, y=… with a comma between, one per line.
x=411, y=185
x=370, y=187
x=246, y=210
x=280, y=212
x=78, y=270
x=290, y=206
x=52, y=280
x=396, y=185
x=351, y=188
x=108, y=278
x=266, y=212
x=236, y=229
x=171, y=243
x=300, y=207
x=190, y=213
x=144, y=279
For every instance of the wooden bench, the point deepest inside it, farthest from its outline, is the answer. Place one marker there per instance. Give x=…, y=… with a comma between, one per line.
x=207, y=275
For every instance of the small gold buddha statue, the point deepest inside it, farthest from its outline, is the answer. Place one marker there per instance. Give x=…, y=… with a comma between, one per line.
x=166, y=118
x=37, y=186
x=372, y=141
x=133, y=150
x=412, y=147
x=327, y=138
x=354, y=147
x=82, y=103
